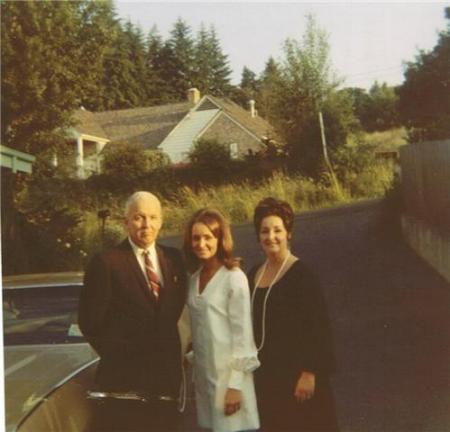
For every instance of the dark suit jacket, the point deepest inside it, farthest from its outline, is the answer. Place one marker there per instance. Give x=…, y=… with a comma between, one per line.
x=135, y=336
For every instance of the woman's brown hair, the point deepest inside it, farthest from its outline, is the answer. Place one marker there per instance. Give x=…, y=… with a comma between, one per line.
x=220, y=228
x=273, y=207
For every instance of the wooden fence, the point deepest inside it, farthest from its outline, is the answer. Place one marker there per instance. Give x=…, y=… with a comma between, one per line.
x=426, y=182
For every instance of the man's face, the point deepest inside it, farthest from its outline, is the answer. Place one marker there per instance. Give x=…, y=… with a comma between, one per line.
x=143, y=221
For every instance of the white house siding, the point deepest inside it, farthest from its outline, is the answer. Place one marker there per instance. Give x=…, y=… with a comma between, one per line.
x=179, y=142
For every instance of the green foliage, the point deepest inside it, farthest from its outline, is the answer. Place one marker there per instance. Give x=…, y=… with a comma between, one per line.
x=269, y=82
x=132, y=160
x=425, y=95
x=376, y=110
x=123, y=158
x=177, y=69
x=41, y=71
x=294, y=91
x=211, y=72
x=361, y=173
x=237, y=201
x=209, y=157
x=249, y=83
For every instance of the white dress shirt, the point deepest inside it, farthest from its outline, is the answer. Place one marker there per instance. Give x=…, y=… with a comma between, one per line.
x=139, y=253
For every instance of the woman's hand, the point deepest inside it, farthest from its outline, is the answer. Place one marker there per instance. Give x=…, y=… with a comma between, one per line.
x=305, y=387
x=232, y=401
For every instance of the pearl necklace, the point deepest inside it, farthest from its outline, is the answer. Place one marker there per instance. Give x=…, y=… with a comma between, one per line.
x=274, y=280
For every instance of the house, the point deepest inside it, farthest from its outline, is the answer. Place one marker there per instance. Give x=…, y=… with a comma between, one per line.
x=172, y=128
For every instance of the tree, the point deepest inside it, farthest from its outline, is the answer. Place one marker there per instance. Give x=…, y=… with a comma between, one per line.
x=249, y=83
x=219, y=65
x=306, y=86
x=178, y=60
x=138, y=86
x=42, y=76
x=208, y=157
x=269, y=82
x=132, y=159
x=98, y=33
x=381, y=111
x=376, y=110
x=155, y=83
x=425, y=95
x=211, y=71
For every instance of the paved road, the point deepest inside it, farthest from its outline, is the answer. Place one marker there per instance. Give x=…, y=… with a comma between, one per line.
x=390, y=315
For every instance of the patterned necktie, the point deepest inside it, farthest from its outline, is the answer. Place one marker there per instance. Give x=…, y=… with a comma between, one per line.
x=153, y=279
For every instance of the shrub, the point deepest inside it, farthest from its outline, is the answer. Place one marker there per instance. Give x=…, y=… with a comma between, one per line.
x=208, y=158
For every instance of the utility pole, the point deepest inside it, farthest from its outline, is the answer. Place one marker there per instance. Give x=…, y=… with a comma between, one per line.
x=325, y=154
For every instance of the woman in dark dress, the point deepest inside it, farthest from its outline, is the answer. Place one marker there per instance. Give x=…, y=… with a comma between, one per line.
x=292, y=332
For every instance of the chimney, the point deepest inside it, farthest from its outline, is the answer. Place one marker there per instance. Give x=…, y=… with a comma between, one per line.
x=193, y=95
x=253, y=111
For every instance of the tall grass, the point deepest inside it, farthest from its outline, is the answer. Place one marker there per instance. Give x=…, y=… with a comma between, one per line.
x=237, y=201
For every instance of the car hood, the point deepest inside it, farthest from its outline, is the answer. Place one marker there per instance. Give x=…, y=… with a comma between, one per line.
x=32, y=371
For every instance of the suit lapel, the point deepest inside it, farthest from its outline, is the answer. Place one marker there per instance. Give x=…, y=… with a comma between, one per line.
x=167, y=271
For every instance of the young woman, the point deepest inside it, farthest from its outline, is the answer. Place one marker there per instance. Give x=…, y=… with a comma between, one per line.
x=224, y=353
x=292, y=332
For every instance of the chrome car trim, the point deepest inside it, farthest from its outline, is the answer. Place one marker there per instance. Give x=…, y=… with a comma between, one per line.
x=102, y=395
x=43, y=285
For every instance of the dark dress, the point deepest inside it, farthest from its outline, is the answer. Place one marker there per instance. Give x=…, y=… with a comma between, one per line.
x=297, y=338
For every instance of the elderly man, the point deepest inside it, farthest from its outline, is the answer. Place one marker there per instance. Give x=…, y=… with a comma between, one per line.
x=132, y=298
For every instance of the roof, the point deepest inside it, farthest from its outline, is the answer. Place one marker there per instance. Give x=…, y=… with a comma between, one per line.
x=86, y=123
x=149, y=126
x=256, y=125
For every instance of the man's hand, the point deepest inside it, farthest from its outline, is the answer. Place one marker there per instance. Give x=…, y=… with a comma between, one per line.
x=232, y=401
x=305, y=387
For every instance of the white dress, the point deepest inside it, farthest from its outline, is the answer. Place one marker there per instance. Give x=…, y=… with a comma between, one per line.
x=224, y=353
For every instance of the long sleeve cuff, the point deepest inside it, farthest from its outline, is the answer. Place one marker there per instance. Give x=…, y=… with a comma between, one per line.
x=239, y=367
x=236, y=378
x=190, y=357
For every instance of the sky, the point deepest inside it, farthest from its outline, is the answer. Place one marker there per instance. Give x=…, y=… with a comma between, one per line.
x=368, y=40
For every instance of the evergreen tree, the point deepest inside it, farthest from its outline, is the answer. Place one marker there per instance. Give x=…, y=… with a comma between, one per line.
x=99, y=26
x=118, y=74
x=219, y=64
x=138, y=89
x=211, y=71
x=178, y=60
x=269, y=83
x=153, y=54
x=249, y=83
x=202, y=66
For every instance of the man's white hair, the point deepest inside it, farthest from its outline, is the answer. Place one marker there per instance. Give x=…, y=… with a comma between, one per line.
x=138, y=196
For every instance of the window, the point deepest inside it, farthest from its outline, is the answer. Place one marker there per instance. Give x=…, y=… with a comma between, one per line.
x=234, y=150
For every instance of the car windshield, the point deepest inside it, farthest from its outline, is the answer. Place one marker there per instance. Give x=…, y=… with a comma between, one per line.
x=41, y=315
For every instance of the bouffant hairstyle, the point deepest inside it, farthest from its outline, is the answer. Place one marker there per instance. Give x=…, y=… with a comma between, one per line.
x=220, y=229
x=273, y=207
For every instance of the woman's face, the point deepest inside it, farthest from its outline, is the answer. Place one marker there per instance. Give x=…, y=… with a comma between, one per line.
x=204, y=244
x=273, y=236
